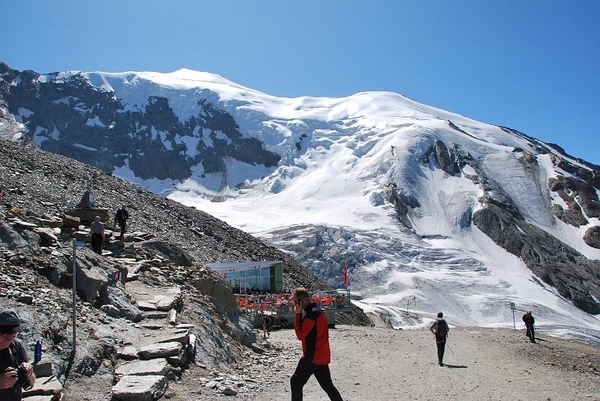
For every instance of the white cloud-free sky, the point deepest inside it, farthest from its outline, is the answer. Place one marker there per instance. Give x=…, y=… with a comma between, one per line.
x=532, y=66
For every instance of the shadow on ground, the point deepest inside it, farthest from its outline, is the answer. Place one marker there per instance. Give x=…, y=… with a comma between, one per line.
x=456, y=366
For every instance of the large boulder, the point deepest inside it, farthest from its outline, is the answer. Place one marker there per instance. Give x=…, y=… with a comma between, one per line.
x=167, y=251
x=17, y=239
x=90, y=278
x=215, y=288
x=115, y=294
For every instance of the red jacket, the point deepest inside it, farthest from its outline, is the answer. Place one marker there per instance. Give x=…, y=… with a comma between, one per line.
x=313, y=331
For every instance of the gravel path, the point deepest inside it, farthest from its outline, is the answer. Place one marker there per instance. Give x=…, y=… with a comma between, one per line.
x=379, y=364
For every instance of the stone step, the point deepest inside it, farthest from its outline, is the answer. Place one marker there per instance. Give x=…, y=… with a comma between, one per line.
x=144, y=368
x=140, y=388
x=44, y=386
x=161, y=350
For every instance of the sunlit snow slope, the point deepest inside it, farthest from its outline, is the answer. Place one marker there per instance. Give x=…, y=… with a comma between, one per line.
x=327, y=200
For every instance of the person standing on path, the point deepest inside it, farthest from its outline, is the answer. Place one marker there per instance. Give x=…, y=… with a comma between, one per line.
x=529, y=323
x=121, y=220
x=440, y=329
x=266, y=326
x=97, y=229
x=313, y=331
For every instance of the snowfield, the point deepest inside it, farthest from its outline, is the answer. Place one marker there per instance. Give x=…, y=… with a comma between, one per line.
x=339, y=157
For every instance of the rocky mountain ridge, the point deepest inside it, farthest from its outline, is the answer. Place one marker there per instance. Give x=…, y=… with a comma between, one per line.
x=101, y=134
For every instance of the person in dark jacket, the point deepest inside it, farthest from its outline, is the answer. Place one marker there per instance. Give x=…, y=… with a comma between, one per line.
x=121, y=220
x=529, y=323
x=13, y=358
x=313, y=331
x=440, y=329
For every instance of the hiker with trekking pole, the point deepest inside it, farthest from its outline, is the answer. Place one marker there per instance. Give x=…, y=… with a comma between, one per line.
x=440, y=329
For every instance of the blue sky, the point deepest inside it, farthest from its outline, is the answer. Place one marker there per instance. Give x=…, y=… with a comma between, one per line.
x=531, y=65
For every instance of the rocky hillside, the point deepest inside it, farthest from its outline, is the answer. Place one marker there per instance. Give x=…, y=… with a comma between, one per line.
x=165, y=250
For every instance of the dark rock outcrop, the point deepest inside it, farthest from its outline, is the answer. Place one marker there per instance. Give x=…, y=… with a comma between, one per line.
x=402, y=204
x=67, y=115
x=579, y=196
x=446, y=159
x=592, y=237
x=575, y=277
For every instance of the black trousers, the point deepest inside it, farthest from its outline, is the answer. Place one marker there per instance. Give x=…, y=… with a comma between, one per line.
x=97, y=243
x=530, y=332
x=441, y=346
x=122, y=224
x=303, y=372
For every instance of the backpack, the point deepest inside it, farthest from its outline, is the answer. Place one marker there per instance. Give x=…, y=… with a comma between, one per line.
x=121, y=215
x=442, y=329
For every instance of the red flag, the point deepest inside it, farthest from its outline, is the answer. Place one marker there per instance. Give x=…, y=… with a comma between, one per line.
x=346, y=282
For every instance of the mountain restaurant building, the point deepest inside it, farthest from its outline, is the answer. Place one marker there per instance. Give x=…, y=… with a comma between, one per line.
x=249, y=277
x=259, y=293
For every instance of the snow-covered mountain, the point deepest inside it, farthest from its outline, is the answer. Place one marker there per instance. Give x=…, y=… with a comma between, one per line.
x=430, y=210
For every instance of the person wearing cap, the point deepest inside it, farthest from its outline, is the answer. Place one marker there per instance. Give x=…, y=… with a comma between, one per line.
x=12, y=356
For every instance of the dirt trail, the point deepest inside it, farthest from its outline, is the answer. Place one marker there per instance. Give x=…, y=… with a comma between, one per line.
x=382, y=364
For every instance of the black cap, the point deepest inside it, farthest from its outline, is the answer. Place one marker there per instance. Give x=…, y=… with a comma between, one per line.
x=9, y=321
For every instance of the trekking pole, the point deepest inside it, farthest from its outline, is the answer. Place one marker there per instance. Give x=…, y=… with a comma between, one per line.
x=450, y=348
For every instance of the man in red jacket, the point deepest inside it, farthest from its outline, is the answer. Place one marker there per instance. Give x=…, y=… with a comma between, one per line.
x=313, y=331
